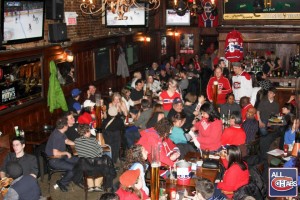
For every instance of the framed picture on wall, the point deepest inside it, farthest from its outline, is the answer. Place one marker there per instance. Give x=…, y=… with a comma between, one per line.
x=187, y=43
x=163, y=45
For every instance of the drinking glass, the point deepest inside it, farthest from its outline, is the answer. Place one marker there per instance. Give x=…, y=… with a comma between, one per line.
x=155, y=164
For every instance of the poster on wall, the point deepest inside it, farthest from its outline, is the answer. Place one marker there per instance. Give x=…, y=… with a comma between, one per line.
x=163, y=45
x=187, y=43
x=209, y=18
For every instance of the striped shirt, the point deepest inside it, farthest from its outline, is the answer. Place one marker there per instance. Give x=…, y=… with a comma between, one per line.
x=88, y=147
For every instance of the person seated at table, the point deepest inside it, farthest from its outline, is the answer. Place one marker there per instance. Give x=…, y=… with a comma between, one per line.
x=288, y=112
x=125, y=92
x=154, y=70
x=167, y=96
x=112, y=127
x=137, y=92
x=223, y=86
x=136, y=76
x=159, y=135
x=229, y=106
x=73, y=102
x=88, y=147
x=290, y=133
x=294, y=162
x=90, y=93
x=209, y=129
x=266, y=108
x=136, y=158
x=183, y=84
x=245, y=106
x=163, y=77
x=178, y=136
x=236, y=174
x=144, y=115
x=118, y=104
x=60, y=157
x=71, y=133
x=250, y=125
x=23, y=187
x=234, y=134
x=87, y=115
x=157, y=114
x=131, y=186
x=204, y=189
x=189, y=106
x=28, y=162
x=152, y=85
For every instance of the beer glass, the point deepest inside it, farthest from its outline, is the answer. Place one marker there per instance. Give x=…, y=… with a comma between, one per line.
x=155, y=164
x=215, y=92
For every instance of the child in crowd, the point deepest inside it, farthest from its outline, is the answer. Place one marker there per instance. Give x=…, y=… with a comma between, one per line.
x=131, y=186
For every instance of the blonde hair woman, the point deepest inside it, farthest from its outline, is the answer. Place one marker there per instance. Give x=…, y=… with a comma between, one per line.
x=119, y=104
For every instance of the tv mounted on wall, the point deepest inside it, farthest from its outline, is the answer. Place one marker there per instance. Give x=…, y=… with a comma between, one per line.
x=173, y=19
x=22, y=21
x=133, y=17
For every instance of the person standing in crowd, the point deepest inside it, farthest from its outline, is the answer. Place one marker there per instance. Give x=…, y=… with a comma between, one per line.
x=136, y=158
x=28, y=162
x=236, y=174
x=234, y=134
x=71, y=133
x=241, y=82
x=73, y=103
x=112, y=127
x=56, y=147
x=131, y=186
x=167, y=96
x=209, y=129
x=90, y=93
x=137, y=93
x=230, y=105
x=23, y=187
x=224, y=87
x=267, y=107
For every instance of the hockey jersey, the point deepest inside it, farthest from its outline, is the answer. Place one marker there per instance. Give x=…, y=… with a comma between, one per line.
x=241, y=85
x=207, y=19
x=223, y=85
x=234, y=46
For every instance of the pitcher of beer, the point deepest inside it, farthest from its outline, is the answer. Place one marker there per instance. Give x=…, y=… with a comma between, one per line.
x=155, y=164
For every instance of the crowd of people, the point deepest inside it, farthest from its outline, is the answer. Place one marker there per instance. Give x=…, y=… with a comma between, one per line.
x=171, y=106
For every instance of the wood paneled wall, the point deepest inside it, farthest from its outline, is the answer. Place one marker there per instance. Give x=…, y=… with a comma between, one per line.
x=34, y=116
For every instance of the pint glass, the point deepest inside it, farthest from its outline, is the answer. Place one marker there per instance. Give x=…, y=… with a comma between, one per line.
x=155, y=164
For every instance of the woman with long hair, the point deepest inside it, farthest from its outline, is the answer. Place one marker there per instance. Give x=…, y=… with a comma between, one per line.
x=209, y=128
x=118, y=103
x=136, y=158
x=236, y=174
x=167, y=96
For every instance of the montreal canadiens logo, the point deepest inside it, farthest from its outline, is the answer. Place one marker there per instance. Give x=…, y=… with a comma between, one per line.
x=283, y=183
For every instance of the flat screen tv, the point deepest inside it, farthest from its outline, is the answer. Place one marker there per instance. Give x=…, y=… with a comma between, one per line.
x=172, y=19
x=22, y=21
x=133, y=17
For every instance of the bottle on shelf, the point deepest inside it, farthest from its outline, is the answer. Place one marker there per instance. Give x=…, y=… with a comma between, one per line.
x=17, y=131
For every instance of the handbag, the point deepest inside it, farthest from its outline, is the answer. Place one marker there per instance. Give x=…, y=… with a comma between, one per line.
x=210, y=163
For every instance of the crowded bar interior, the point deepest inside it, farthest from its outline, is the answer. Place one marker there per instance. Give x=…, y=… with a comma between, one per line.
x=149, y=99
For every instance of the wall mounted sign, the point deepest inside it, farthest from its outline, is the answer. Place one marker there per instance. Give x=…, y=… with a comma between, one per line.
x=187, y=43
x=261, y=10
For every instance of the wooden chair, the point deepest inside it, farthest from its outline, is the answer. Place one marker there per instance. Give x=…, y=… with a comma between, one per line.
x=50, y=170
x=106, y=148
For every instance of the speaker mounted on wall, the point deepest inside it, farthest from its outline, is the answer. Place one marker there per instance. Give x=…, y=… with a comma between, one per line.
x=57, y=32
x=55, y=9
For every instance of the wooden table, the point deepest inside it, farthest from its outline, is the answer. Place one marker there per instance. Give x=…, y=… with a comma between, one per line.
x=210, y=174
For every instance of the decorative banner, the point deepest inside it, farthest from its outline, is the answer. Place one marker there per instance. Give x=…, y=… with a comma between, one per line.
x=163, y=45
x=234, y=46
x=71, y=18
x=187, y=43
x=209, y=18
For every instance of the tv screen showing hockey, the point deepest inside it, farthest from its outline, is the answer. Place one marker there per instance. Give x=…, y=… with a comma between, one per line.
x=172, y=19
x=22, y=20
x=134, y=16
